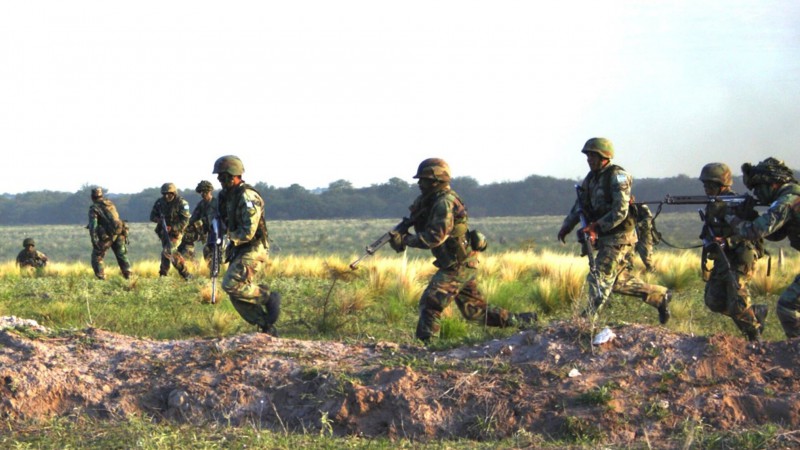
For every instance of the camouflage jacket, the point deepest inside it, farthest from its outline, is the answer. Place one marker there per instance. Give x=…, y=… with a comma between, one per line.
x=781, y=220
x=176, y=213
x=241, y=209
x=606, y=200
x=441, y=224
x=201, y=217
x=31, y=259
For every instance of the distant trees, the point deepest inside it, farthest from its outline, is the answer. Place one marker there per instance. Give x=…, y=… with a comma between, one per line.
x=533, y=196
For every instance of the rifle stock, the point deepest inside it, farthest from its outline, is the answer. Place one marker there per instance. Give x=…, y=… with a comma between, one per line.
x=401, y=228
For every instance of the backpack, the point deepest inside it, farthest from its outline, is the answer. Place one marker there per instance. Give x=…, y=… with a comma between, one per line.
x=109, y=218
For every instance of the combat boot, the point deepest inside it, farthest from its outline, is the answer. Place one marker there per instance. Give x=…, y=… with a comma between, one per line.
x=271, y=302
x=186, y=275
x=663, y=308
x=127, y=275
x=760, y=311
x=100, y=276
x=525, y=320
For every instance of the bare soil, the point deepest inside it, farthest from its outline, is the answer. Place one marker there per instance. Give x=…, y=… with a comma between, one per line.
x=648, y=383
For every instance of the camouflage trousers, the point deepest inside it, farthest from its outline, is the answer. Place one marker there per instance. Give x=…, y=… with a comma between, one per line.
x=459, y=283
x=614, y=267
x=171, y=255
x=722, y=294
x=186, y=249
x=789, y=309
x=119, y=247
x=246, y=296
x=644, y=245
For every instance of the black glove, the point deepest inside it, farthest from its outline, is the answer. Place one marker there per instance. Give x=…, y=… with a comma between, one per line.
x=396, y=241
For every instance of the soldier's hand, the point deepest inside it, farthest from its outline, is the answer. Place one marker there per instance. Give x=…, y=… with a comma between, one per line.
x=562, y=234
x=590, y=231
x=396, y=241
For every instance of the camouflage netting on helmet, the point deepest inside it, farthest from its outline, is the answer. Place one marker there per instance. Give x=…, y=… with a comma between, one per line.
x=28, y=241
x=718, y=173
x=204, y=186
x=768, y=171
x=169, y=188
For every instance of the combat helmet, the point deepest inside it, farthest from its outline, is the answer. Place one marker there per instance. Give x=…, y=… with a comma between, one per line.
x=28, y=241
x=229, y=164
x=768, y=171
x=718, y=173
x=601, y=146
x=434, y=169
x=168, y=188
x=97, y=193
x=204, y=186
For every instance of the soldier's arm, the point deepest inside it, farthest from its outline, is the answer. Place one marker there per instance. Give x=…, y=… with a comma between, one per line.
x=438, y=228
x=766, y=224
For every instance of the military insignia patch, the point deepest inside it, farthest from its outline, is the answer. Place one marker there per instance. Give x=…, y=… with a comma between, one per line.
x=622, y=178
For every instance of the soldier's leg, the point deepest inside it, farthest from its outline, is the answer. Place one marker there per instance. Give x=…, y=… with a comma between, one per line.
x=121, y=253
x=245, y=295
x=789, y=309
x=739, y=305
x=177, y=260
x=208, y=255
x=652, y=294
x=98, y=253
x=434, y=300
x=717, y=290
x=610, y=262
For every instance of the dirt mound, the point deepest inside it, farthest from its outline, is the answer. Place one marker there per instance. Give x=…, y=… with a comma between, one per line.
x=645, y=382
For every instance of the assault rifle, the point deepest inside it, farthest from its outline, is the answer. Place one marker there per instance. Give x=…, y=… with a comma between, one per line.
x=401, y=228
x=587, y=247
x=215, y=241
x=734, y=200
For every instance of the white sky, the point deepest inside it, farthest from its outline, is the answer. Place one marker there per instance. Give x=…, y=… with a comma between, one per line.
x=129, y=95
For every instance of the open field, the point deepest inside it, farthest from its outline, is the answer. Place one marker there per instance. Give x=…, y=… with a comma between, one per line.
x=342, y=315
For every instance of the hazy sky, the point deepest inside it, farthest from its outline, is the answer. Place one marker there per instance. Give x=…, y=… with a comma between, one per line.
x=129, y=95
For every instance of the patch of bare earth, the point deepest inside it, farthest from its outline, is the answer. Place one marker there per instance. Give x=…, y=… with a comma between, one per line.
x=646, y=383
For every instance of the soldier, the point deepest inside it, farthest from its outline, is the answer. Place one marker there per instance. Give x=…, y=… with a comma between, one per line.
x=29, y=259
x=645, y=238
x=241, y=210
x=200, y=223
x=606, y=203
x=734, y=261
x=441, y=224
x=774, y=184
x=171, y=211
x=106, y=230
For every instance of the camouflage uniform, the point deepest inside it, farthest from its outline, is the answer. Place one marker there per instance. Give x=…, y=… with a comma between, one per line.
x=723, y=293
x=441, y=224
x=107, y=231
x=606, y=203
x=774, y=183
x=644, y=233
x=241, y=210
x=30, y=259
x=198, y=229
x=176, y=214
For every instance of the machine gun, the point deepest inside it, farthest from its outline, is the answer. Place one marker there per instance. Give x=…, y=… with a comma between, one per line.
x=401, y=228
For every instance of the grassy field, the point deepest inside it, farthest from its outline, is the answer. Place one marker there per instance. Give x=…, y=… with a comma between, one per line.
x=524, y=270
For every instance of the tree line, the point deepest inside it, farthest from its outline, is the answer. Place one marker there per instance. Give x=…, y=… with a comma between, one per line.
x=533, y=196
